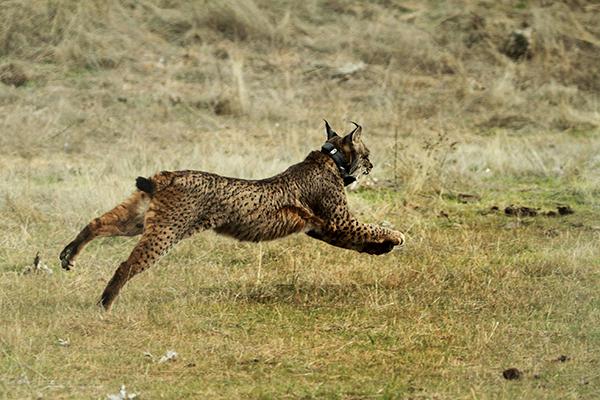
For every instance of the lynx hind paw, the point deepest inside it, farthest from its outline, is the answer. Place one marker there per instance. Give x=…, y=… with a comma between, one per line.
x=67, y=255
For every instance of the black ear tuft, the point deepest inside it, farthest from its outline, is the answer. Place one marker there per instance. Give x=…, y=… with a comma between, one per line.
x=356, y=126
x=330, y=132
x=356, y=132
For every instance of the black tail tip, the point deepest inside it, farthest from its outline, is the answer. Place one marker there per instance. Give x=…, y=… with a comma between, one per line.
x=144, y=184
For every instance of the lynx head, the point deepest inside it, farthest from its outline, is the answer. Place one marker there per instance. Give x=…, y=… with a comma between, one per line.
x=353, y=149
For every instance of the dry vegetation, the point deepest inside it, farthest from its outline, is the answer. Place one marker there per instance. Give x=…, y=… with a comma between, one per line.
x=94, y=94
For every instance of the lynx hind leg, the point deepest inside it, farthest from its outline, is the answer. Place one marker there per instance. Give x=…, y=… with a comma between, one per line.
x=126, y=219
x=155, y=242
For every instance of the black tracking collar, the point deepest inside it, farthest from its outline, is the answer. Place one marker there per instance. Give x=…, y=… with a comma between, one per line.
x=340, y=161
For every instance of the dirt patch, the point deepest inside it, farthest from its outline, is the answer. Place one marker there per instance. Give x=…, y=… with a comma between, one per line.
x=525, y=211
x=520, y=211
x=565, y=210
x=464, y=198
x=507, y=121
x=518, y=45
x=467, y=198
x=512, y=374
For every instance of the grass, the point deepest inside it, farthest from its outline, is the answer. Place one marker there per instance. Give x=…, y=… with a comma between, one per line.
x=470, y=296
x=106, y=93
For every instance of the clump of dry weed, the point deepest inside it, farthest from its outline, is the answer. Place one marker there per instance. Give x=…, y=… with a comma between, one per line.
x=422, y=165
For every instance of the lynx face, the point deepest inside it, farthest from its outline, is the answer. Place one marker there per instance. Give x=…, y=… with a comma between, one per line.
x=360, y=164
x=355, y=151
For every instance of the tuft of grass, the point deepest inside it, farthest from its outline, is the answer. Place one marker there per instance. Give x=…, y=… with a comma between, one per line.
x=242, y=20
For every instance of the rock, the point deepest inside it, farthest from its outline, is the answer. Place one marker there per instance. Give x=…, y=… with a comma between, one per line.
x=345, y=71
x=122, y=395
x=170, y=355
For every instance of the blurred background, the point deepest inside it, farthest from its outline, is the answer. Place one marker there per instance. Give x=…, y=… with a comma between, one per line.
x=94, y=93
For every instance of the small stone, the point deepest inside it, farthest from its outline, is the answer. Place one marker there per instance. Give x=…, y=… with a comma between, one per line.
x=170, y=355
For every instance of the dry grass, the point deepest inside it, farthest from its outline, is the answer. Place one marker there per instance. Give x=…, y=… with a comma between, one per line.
x=122, y=89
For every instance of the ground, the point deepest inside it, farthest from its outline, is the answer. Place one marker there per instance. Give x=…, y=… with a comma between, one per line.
x=459, y=130
x=475, y=292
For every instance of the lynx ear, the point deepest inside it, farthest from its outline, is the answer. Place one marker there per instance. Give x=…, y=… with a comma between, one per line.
x=330, y=132
x=356, y=133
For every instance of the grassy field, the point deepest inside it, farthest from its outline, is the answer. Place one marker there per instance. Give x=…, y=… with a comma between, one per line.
x=459, y=129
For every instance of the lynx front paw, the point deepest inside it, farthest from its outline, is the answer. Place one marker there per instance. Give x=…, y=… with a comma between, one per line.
x=385, y=246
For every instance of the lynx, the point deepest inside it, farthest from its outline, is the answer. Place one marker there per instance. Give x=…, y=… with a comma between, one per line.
x=308, y=197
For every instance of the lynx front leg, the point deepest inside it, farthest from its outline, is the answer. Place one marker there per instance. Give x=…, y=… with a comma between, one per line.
x=126, y=219
x=371, y=239
x=341, y=229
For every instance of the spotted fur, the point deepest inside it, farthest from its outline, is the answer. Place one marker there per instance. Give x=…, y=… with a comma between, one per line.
x=173, y=205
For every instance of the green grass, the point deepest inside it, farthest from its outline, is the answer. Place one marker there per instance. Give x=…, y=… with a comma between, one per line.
x=470, y=296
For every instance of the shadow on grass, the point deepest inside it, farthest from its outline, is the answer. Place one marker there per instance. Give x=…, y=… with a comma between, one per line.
x=297, y=294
